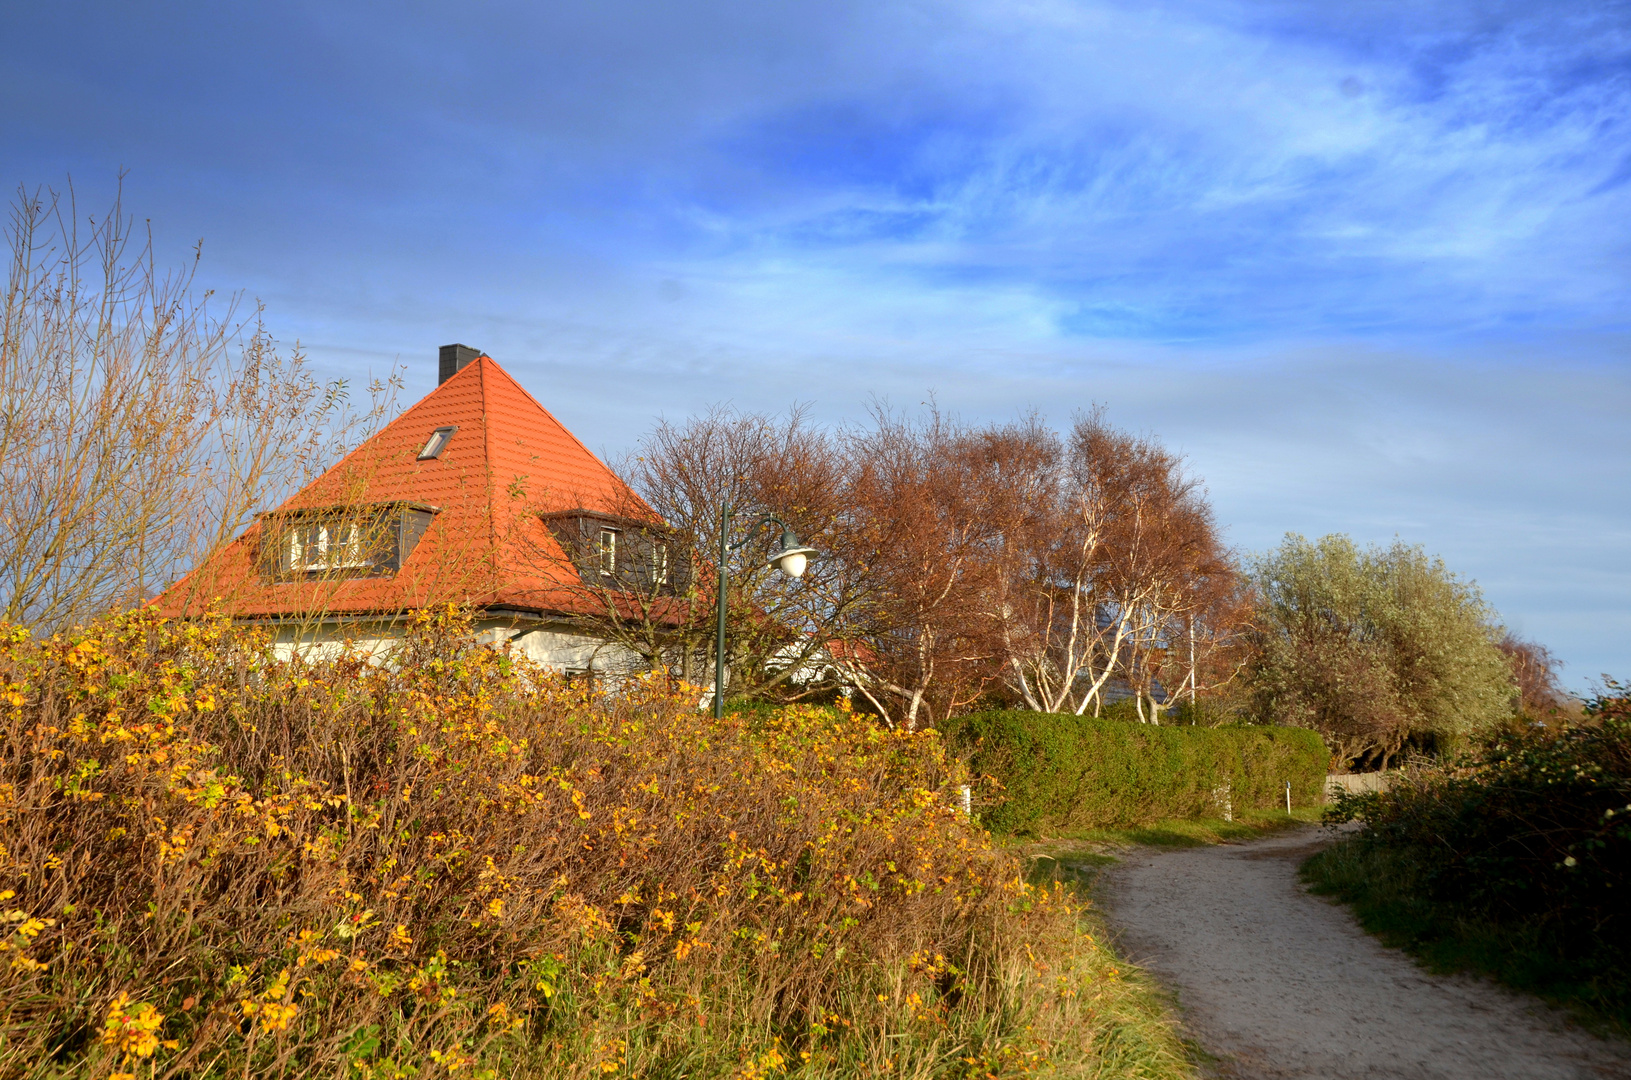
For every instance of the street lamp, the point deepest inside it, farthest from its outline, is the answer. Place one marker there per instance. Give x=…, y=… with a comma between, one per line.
x=790, y=560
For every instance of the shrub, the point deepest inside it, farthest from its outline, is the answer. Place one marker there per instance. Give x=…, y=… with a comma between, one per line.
x=217, y=864
x=1058, y=772
x=1528, y=838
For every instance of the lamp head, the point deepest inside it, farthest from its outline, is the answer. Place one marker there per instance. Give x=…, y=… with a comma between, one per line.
x=793, y=557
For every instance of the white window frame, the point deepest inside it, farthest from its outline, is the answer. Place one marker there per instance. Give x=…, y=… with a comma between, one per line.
x=325, y=553
x=606, y=551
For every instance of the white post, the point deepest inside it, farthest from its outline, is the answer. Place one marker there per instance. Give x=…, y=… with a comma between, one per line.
x=965, y=795
x=1192, y=669
x=1288, y=796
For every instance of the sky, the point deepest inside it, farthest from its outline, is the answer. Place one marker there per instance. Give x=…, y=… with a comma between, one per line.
x=1366, y=264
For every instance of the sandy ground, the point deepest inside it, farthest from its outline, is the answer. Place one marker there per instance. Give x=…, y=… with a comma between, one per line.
x=1278, y=983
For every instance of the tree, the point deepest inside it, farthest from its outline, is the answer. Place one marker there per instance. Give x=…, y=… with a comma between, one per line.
x=1374, y=648
x=1124, y=575
x=776, y=627
x=140, y=430
x=935, y=511
x=954, y=558
x=1535, y=677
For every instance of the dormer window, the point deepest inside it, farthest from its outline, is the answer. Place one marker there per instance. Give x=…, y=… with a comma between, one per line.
x=341, y=542
x=619, y=553
x=436, y=443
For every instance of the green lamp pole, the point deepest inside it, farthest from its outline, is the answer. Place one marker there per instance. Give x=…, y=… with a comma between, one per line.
x=790, y=560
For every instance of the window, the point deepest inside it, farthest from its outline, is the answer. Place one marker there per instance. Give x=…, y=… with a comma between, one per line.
x=609, y=551
x=318, y=546
x=436, y=443
x=342, y=542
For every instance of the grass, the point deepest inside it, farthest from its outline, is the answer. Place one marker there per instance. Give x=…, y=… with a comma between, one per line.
x=1175, y=832
x=1385, y=890
x=1140, y=1036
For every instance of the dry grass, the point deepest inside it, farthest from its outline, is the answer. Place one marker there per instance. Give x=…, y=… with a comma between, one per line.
x=215, y=864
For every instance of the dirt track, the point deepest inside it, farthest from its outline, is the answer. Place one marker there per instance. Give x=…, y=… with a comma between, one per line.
x=1278, y=983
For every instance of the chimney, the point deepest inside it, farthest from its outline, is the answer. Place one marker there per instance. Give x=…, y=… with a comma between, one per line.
x=452, y=361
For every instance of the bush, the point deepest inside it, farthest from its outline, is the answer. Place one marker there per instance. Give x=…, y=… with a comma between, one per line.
x=1527, y=842
x=1058, y=772
x=216, y=864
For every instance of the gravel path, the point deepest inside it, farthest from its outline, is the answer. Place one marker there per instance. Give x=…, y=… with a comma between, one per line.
x=1279, y=983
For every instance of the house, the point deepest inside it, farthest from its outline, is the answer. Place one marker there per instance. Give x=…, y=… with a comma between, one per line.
x=475, y=495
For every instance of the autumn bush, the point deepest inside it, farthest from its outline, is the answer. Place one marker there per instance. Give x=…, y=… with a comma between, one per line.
x=216, y=863
x=1058, y=773
x=1515, y=859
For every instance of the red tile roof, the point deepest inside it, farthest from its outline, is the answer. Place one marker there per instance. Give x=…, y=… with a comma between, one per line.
x=509, y=461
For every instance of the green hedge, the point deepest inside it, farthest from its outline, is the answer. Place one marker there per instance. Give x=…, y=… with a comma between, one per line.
x=1062, y=773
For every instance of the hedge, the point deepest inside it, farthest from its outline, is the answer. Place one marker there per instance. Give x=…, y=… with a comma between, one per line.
x=1060, y=773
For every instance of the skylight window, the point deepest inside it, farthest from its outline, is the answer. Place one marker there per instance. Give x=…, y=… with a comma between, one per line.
x=437, y=443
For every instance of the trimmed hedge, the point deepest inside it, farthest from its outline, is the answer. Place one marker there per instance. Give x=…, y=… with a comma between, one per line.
x=1063, y=773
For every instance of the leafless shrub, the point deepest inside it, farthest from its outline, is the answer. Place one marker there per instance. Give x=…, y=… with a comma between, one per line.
x=141, y=422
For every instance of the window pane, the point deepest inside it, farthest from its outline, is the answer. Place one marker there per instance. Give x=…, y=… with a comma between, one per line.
x=437, y=442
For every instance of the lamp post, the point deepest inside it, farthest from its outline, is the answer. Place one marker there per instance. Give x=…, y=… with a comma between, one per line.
x=790, y=560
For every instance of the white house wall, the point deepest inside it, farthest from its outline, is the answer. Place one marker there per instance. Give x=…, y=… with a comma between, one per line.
x=554, y=646
x=560, y=649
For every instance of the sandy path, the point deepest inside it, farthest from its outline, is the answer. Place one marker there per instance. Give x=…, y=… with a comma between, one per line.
x=1279, y=983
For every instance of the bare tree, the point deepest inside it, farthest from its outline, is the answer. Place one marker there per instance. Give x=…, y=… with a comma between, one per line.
x=682, y=478
x=1124, y=578
x=1535, y=677
x=140, y=430
x=953, y=557
x=1059, y=647
x=1210, y=642
x=938, y=510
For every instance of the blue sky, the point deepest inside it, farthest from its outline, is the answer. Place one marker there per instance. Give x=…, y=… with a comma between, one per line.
x=1367, y=264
